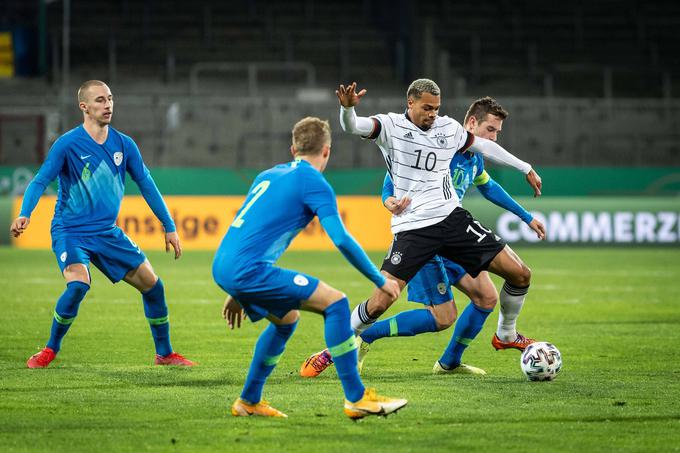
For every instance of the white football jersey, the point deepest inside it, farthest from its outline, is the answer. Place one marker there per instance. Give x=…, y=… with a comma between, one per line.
x=418, y=163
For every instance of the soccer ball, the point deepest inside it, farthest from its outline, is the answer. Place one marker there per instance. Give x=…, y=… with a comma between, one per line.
x=541, y=361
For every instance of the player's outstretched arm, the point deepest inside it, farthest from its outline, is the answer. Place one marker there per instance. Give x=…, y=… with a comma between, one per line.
x=349, y=121
x=496, y=194
x=348, y=95
x=496, y=153
x=353, y=252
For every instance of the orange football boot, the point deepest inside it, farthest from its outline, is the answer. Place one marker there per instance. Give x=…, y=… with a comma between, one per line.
x=520, y=342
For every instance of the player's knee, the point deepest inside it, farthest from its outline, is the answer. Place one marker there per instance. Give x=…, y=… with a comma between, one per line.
x=523, y=277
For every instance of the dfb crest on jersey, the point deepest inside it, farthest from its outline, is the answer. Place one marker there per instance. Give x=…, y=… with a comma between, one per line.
x=441, y=139
x=396, y=258
x=441, y=287
x=117, y=158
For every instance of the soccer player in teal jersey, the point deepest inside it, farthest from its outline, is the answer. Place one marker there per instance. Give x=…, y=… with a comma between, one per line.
x=431, y=285
x=280, y=203
x=90, y=163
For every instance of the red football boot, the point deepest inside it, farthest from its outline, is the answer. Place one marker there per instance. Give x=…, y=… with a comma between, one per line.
x=173, y=359
x=42, y=359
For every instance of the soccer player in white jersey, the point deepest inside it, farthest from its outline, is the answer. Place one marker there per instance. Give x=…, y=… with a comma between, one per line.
x=431, y=284
x=418, y=146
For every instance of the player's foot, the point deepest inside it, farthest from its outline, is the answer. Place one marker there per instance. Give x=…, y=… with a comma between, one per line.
x=460, y=369
x=316, y=364
x=363, y=350
x=242, y=408
x=173, y=359
x=373, y=404
x=42, y=359
x=520, y=342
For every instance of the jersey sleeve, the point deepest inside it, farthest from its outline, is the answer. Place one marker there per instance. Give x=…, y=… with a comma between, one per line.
x=135, y=164
x=319, y=196
x=481, y=176
x=462, y=139
x=388, y=187
x=147, y=186
x=46, y=174
x=495, y=193
x=350, y=249
x=382, y=125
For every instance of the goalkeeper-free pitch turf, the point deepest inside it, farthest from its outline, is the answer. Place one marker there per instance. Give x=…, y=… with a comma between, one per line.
x=613, y=313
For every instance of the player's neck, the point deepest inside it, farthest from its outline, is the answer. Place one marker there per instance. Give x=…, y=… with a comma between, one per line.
x=317, y=162
x=98, y=132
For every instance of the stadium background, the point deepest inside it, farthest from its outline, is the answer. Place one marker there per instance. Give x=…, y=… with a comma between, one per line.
x=210, y=90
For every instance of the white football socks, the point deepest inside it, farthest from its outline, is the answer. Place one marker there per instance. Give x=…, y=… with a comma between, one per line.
x=512, y=300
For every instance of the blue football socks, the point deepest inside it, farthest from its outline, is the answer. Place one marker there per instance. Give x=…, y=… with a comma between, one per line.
x=268, y=351
x=65, y=312
x=405, y=324
x=468, y=326
x=156, y=312
x=341, y=344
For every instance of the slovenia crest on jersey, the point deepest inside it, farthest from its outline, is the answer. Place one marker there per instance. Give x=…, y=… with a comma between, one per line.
x=441, y=139
x=117, y=158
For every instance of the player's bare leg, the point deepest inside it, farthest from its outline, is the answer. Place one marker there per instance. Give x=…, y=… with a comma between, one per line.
x=144, y=279
x=517, y=275
x=77, y=284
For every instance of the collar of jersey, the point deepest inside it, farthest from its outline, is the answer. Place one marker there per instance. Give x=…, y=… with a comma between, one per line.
x=409, y=119
x=300, y=160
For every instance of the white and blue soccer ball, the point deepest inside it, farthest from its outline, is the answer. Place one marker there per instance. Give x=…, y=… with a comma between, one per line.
x=541, y=361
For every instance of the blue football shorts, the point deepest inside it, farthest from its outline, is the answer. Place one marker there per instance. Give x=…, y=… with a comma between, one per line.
x=112, y=252
x=432, y=284
x=267, y=290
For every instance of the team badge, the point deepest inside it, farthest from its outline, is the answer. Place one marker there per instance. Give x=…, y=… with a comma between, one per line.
x=300, y=280
x=441, y=140
x=63, y=257
x=441, y=287
x=118, y=158
x=396, y=258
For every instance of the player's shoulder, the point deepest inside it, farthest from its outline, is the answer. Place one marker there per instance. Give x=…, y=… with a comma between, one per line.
x=121, y=137
x=70, y=136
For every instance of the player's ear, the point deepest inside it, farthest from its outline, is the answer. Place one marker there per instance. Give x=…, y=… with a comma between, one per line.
x=82, y=106
x=292, y=150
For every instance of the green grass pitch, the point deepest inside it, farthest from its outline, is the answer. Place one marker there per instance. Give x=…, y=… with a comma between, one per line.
x=613, y=313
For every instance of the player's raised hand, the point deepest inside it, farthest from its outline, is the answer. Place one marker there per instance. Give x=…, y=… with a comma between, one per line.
x=19, y=225
x=538, y=227
x=535, y=182
x=395, y=206
x=348, y=96
x=232, y=312
x=391, y=288
x=172, y=239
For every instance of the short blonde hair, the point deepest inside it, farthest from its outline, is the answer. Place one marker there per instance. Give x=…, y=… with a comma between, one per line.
x=82, y=91
x=310, y=134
